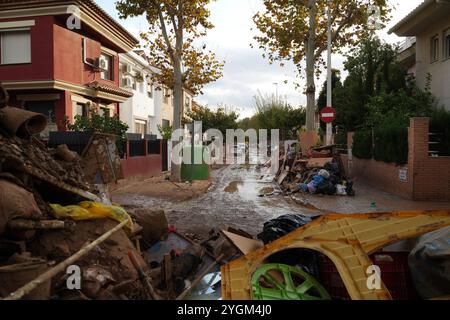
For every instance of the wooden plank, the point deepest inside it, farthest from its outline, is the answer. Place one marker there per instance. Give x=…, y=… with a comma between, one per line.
x=282, y=176
x=318, y=162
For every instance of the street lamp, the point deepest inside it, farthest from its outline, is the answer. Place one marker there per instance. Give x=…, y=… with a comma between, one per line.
x=329, y=134
x=276, y=86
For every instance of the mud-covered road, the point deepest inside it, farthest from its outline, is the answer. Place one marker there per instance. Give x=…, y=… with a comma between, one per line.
x=233, y=199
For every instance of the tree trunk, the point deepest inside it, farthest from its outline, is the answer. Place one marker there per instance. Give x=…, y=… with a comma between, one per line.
x=177, y=114
x=178, y=110
x=310, y=68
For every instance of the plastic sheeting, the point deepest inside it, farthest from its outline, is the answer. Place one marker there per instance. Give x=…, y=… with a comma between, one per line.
x=429, y=262
x=281, y=226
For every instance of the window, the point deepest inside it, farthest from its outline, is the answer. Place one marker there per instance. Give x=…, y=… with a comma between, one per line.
x=434, y=54
x=140, y=127
x=15, y=47
x=47, y=108
x=447, y=44
x=150, y=90
x=187, y=103
x=81, y=110
x=166, y=95
x=165, y=123
x=106, y=73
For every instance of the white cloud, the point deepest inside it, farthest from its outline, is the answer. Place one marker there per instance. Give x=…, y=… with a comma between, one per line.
x=246, y=71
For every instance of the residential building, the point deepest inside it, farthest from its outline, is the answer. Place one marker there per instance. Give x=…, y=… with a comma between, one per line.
x=166, y=106
x=429, y=23
x=142, y=112
x=59, y=57
x=407, y=55
x=168, y=103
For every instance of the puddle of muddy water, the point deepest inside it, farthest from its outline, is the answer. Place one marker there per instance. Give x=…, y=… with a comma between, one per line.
x=233, y=187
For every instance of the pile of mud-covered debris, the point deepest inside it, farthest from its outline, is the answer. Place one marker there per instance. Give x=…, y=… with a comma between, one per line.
x=62, y=238
x=319, y=171
x=33, y=240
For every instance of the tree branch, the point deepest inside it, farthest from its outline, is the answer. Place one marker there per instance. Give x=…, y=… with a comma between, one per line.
x=164, y=30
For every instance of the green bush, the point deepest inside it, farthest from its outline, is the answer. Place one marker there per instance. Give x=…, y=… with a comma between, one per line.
x=362, y=145
x=96, y=123
x=440, y=125
x=391, y=143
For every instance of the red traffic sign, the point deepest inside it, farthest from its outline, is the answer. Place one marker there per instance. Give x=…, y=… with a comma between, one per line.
x=328, y=114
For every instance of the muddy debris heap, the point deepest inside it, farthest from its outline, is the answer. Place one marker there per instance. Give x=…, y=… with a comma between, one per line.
x=58, y=237
x=315, y=171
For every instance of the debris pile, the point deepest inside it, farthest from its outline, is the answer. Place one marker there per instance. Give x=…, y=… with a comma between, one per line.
x=319, y=171
x=59, y=233
x=49, y=222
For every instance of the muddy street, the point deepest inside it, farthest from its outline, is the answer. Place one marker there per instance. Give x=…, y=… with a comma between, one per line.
x=233, y=199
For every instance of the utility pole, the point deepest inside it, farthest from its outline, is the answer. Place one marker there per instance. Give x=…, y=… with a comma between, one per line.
x=329, y=134
x=276, y=92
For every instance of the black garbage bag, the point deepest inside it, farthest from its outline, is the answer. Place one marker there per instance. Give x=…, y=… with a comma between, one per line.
x=429, y=263
x=333, y=168
x=274, y=229
x=326, y=188
x=335, y=179
x=350, y=191
x=281, y=226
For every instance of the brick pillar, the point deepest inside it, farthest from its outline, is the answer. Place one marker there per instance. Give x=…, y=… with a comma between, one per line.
x=418, y=144
x=419, y=138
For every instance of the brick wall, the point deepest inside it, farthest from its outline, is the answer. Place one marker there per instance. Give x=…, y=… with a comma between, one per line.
x=381, y=175
x=431, y=175
x=427, y=178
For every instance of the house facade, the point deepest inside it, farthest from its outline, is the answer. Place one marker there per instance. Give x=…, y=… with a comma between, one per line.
x=142, y=112
x=428, y=55
x=168, y=103
x=61, y=57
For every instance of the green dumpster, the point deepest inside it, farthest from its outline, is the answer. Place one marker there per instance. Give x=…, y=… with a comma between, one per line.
x=191, y=172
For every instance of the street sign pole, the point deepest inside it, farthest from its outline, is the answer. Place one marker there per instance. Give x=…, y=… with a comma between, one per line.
x=329, y=134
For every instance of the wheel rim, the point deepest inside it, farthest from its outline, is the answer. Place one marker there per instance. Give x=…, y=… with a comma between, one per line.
x=283, y=282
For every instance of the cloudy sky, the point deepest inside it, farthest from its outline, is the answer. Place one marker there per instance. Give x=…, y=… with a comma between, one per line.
x=246, y=71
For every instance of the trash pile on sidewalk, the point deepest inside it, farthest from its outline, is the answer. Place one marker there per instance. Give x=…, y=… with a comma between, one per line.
x=319, y=171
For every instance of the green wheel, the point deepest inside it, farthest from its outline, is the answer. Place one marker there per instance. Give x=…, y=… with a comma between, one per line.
x=283, y=282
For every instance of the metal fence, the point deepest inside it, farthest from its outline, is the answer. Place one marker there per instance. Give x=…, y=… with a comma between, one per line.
x=134, y=146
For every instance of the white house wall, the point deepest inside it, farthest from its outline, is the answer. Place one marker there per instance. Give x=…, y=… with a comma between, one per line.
x=140, y=106
x=439, y=70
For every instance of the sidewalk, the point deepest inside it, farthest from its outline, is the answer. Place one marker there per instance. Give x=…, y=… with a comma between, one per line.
x=369, y=199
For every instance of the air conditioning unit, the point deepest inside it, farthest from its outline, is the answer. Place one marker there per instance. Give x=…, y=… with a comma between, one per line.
x=127, y=82
x=127, y=68
x=102, y=63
